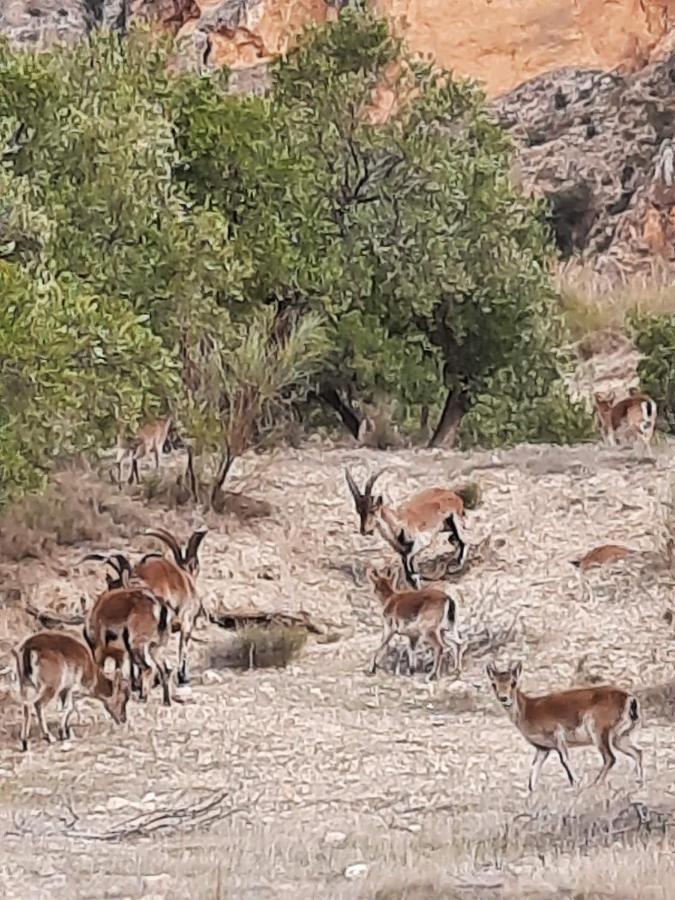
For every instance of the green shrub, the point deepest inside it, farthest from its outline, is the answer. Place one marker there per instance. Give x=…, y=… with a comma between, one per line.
x=654, y=337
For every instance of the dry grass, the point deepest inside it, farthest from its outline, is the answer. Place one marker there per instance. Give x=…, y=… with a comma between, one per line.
x=332, y=783
x=76, y=507
x=260, y=647
x=595, y=305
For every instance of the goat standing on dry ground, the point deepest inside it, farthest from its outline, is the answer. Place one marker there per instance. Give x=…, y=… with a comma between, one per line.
x=134, y=621
x=50, y=664
x=174, y=580
x=634, y=415
x=150, y=439
x=420, y=615
x=603, y=716
x=412, y=526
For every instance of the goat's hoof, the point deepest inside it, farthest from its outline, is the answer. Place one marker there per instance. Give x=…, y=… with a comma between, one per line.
x=24, y=746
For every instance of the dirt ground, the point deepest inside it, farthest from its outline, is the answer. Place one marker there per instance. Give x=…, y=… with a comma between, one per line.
x=319, y=781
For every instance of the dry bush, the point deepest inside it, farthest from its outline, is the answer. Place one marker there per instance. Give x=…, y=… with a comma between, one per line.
x=259, y=647
x=470, y=493
x=77, y=506
x=173, y=491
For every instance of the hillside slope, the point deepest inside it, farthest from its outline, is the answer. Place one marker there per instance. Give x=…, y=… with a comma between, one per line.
x=319, y=767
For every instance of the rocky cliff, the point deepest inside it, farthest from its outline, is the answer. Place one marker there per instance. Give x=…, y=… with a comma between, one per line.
x=598, y=145
x=587, y=88
x=500, y=42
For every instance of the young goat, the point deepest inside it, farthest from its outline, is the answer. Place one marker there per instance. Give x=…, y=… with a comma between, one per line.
x=412, y=526
x=605, y=716
x=175, y=580
x=52, y=663
x=150, y=439
x=135, y=621
x=420, y=615
x=635, y=414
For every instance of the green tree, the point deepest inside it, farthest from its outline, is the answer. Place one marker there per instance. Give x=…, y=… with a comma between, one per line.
x=72, y=367
x=444, y=298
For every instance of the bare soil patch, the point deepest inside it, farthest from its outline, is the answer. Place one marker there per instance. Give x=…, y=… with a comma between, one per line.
x=314, y=780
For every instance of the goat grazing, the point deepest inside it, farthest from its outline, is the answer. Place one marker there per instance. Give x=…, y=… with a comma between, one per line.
x=603, y=716
x=420, y=615
x=635, y=414
x=51, y=663
x=175, y=580
x=131, y=620
x=412, y=526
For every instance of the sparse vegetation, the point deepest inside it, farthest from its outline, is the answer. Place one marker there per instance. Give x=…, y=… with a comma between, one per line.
x=260, y=647
x=76, y=506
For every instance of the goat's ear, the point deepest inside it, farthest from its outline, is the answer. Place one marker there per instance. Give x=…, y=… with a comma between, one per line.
x=491, y=671
x=517, y=671
x=378, y=501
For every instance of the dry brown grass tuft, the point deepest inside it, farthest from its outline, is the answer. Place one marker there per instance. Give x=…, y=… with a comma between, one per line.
x=259, y=647
x=77, y=506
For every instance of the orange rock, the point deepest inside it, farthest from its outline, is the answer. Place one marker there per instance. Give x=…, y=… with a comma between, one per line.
x=653, y=232
x=498, y=42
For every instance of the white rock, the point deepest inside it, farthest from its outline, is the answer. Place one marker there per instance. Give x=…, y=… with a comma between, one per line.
x=356, y=870
x=209, y=676
x=335, y=837
x=182, y=692
x=117, y=803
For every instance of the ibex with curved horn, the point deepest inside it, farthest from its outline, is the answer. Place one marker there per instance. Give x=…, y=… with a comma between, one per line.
x=410, y=527
x=175, y=580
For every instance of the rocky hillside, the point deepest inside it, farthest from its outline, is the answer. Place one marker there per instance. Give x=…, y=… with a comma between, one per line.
x=500, y=42
x=585, y=86
x=598, y=145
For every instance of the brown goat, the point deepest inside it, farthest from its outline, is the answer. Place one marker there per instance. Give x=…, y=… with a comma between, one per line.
x=175, y=580
x=412, y=526
x=603, y=716
x=131, y=620
x=51, y=664
x=634, y=415
x=419, y=615
x=150, y=439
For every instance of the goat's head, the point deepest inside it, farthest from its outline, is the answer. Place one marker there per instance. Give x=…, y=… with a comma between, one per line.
x=383, y=580
x=505, y=684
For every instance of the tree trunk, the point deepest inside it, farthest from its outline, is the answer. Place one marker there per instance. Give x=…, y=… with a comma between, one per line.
x=349, y=418
x=445, y=433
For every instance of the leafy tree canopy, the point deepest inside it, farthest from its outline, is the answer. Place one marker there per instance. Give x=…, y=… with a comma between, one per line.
x=156, y=222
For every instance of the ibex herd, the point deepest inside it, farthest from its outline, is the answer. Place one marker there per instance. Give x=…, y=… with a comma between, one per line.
x=133, y=619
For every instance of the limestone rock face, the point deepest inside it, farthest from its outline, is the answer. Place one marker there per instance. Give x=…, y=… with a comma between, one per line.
x=499, y=42
x=598, y=145
x=587, y=88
